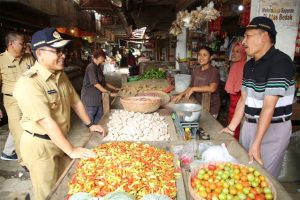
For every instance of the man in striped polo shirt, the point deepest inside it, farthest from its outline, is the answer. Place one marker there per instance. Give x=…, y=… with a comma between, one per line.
x=267, y=96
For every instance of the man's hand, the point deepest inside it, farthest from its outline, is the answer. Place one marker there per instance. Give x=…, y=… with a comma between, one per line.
x=79, y=152
x=97, y=128
x=113, y=94
x=254, y=153
x=227, y=130
x=1, y=114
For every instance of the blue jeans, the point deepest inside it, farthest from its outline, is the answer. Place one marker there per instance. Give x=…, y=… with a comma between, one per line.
x=95, y=113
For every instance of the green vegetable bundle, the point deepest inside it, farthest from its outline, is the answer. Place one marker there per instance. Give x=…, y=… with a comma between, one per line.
x=153, y=74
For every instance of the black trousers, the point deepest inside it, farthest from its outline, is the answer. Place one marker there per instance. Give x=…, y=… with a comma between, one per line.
x=133, y=71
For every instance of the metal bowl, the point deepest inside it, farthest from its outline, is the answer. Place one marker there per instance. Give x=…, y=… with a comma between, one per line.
x=188, y=112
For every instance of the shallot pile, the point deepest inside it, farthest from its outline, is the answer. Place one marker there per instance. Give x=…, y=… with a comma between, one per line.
x=131, y=126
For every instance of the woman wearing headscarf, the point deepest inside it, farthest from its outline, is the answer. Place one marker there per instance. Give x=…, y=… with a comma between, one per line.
x=234, y=81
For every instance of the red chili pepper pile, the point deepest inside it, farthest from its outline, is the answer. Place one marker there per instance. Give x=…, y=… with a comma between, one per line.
x=139, y=169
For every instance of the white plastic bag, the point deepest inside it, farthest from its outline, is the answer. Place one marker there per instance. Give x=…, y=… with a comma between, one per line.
x=155, y=197
x=182, y=82
x=108, y=68
x=81, y=196
x=217, y=153
x=202, y=147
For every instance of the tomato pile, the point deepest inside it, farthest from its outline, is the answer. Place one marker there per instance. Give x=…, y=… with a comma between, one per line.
x=138, y=168
x=225, y=181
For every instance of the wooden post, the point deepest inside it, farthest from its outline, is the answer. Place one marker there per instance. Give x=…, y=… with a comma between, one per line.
x=123, y=79
x=105, y=102
x=206, y=101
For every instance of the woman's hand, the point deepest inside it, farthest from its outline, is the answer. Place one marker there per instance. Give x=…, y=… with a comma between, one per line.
x=227, y=130
x=189, y=93
x=177, y=98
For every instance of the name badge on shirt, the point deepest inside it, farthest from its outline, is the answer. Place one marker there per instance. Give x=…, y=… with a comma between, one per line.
x=51, y=91
x=12, y=66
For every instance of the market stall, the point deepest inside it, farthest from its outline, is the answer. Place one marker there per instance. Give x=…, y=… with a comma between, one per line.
x=144, y=66
x=207, y=123
x=61, y=189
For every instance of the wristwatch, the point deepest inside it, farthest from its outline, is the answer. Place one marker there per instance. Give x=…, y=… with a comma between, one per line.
x=89, y=125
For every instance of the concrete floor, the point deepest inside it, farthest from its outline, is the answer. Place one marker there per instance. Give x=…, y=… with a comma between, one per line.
x=15, y=182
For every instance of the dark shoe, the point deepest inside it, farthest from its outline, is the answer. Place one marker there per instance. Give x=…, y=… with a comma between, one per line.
x=7, y=157
x=25, y=168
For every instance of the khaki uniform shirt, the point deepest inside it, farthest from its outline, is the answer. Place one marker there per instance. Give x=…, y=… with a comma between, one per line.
x=42, y=94
x=12, y=68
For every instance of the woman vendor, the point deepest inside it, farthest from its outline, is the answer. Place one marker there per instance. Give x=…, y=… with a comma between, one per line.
x=205, y=78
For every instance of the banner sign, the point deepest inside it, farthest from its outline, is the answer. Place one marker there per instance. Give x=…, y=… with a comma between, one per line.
x=281, y=12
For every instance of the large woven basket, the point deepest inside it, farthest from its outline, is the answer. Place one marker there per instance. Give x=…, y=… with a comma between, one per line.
x=143, y=104
x=195, y=172
x=165, y=98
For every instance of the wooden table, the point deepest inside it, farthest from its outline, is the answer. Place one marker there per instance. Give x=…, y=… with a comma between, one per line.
x=210, y=126
x=60, y=190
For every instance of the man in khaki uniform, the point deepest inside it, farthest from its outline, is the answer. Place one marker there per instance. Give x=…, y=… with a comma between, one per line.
x=46, y=96
x=13, y=62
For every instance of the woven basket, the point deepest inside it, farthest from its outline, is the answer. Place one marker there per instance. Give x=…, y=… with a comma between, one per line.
x=165, y=98
x=143, y=104
x=195, y=172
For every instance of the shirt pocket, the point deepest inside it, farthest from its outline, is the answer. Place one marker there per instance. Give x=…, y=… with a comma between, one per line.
x=53, y=99
x=10, y=72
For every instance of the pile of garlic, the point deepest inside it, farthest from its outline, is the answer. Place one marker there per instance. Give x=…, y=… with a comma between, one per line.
x=131, y=126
